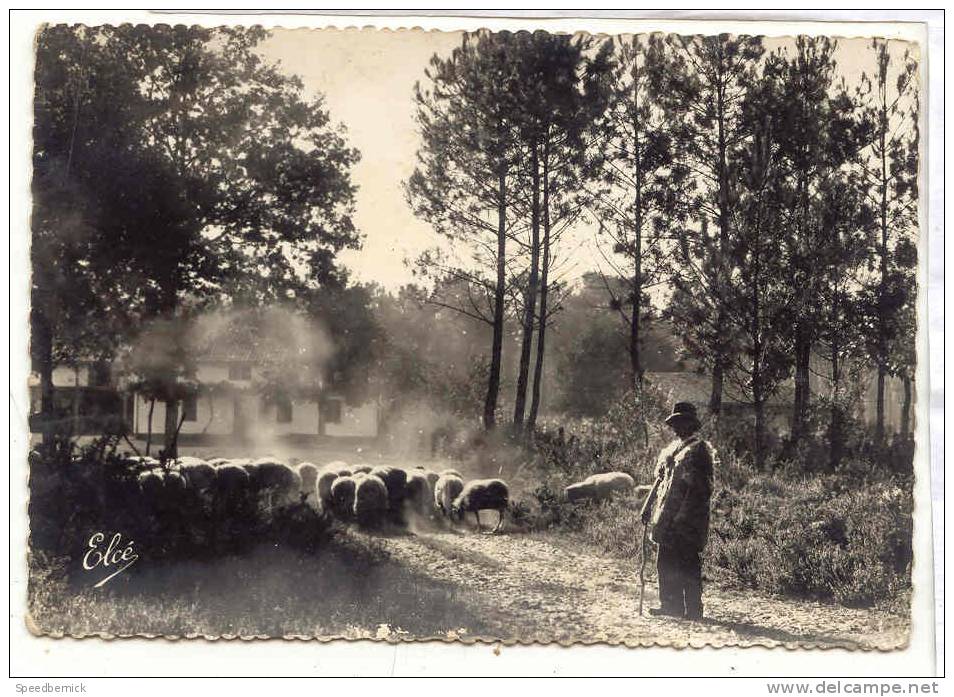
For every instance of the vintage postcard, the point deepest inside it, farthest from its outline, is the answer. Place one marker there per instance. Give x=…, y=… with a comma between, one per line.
x=497, y=336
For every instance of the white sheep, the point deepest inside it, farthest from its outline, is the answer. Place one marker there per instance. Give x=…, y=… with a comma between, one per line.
x=598, y=487
x=419, y=496
x=395, y=479
x=274, y=481
x=370, y=500
x=482, y=495
x=200, y=476
x=309, y=480
x=323, y=488
x=342, y=497
x=447, y=488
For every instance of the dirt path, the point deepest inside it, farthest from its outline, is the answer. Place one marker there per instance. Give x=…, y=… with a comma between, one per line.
x=535, y=588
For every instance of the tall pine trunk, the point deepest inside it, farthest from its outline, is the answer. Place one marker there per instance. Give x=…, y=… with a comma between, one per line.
x=168, y=300
x=544, y=292
x=836, y=437
x=715, y=396
x=759, y=404
x=883, y=283
x=879, y=418
x=906, y=406
x=722, y=169
x=152, y=407
x=802, y=397
x=493, y=380
x=43, y=355
x=520, y=402
x=170, y=428
x=635, y=359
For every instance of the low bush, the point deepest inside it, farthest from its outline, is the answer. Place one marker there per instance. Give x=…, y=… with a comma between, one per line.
x=795, y=529
x=76, y=493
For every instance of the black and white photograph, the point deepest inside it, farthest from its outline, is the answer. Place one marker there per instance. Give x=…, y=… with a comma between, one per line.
x=498, y=336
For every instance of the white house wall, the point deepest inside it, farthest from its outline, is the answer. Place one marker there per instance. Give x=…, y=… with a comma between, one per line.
x=214, y=419
x=141, y=415
x=304, y=420
x=356, y=422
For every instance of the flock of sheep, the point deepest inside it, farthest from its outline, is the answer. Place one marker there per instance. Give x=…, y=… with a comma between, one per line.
x=370, y=496
x=213, y=501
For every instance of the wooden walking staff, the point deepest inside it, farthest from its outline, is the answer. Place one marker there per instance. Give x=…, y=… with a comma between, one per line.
x=644, y=515
x=642, y=570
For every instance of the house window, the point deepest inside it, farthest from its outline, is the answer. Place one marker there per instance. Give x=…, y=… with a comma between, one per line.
x=240, y=371
x=283, y=411
x=99, y=375
x=190, y=408
x=331, y=411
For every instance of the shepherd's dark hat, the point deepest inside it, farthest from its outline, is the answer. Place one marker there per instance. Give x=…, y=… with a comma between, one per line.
x=684, y=412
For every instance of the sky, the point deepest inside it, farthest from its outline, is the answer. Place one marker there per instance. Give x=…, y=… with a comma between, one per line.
x=367, y=78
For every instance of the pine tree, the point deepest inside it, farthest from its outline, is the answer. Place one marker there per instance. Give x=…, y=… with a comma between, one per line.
x=702, y=82
x=890, y=170
x=465, y=176
x=643, y=184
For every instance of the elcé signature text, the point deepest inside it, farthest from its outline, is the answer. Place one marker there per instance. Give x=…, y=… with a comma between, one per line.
x=116, y=555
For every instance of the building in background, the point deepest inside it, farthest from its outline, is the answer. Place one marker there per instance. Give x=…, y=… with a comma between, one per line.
x=234, y=400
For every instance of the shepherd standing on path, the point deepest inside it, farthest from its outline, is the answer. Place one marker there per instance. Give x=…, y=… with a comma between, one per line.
x=677, y=508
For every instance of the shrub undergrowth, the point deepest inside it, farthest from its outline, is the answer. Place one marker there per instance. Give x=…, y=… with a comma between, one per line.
x=796, y=528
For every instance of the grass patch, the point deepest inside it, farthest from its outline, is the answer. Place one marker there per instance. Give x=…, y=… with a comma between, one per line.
x=345, y=590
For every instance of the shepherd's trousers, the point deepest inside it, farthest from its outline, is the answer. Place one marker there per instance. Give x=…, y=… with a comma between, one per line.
x=680, y=580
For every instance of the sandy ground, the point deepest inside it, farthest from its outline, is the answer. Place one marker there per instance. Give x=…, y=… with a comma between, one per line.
x=536, y=588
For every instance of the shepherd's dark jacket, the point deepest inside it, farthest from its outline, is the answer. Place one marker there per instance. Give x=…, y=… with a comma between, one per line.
x=678, y=505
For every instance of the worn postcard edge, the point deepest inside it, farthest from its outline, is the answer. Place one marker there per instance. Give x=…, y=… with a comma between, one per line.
x=551, y=24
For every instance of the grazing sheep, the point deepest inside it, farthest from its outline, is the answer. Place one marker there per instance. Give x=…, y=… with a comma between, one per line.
x=395, y=479
x=342, y=497
x=187, y=461
x=231, y=483
x=419, y=495
x=151, y=484
x=251, y=469
x=598, y=487
x=323, y=488
x=361, y=469
x=200, y=476
x=432, y=478
x=173, y=483
x=370, y=500
x=218, y=461
x=309, y=479
x=234, y=515
x=580, y=491
x=609, y=482
x=447, y=488
x=481, y=495
x=278, y=482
